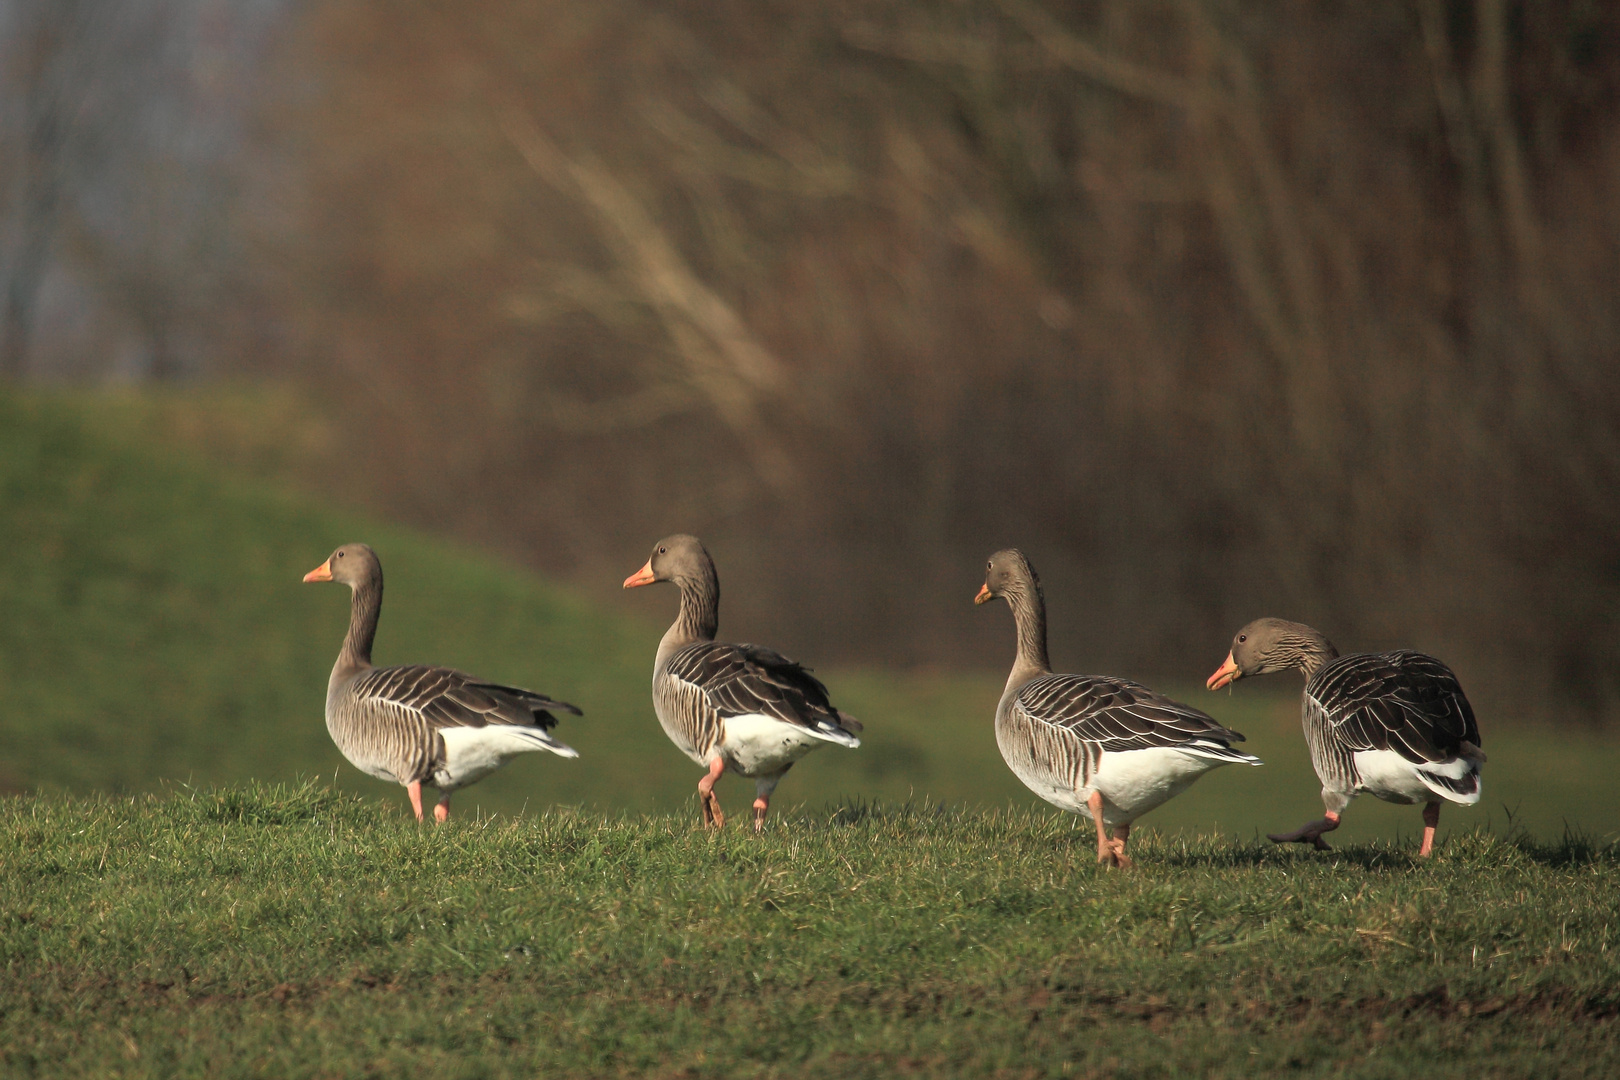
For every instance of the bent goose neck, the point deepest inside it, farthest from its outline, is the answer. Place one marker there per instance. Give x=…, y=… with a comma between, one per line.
x=364, y=609
x=1029, y=616
x=699, y=617
x=1309, y=652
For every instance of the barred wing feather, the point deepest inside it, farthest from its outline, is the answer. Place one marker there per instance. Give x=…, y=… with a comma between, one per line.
x=740, y=680
x=444, y=698
x=1119, y=715
x=1402, y=701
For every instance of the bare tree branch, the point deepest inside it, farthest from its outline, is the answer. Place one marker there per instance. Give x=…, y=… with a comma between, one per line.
x=1086, y=59
x=724, y=360
x=1512, y=183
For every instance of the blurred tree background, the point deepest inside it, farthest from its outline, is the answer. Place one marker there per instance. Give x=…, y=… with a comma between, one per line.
x=1217, y=309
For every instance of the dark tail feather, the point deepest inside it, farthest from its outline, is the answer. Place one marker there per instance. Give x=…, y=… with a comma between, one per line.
x=1466, y=784
x=537, y=702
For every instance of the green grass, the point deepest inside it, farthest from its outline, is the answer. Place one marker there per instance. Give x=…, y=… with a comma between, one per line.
x=296, y=931
x=156, y=627
x=912, y=910
x=155, y=631
x=929, y=736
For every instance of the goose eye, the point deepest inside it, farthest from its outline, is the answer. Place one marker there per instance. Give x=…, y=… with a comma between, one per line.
x=1242, y=638
x=662, y=550
x=341, y=554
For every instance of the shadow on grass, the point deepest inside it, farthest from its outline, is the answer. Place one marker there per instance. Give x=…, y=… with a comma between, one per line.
x=1015, y=828
x=1241, y=855
x=1574, y=848
x=265, y=804
x=855, y=811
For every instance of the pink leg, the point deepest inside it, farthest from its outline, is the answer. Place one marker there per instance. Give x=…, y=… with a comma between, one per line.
x=415, y=790
x=1106, y=855
x=711, y=801
x=1431, y=821
x=1309, y=834
x=442, y=811
x=761, y=804
x=1121, y=832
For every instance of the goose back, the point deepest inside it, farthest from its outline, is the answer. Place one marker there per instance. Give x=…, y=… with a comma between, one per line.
x=1402, y=702
x=1069, y=737
x=388, y=722
x=1058, y=727
x=701, y=686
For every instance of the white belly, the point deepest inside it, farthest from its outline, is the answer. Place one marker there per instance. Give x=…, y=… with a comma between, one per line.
x=1389, y=776
x=757, y=745
x=470, y=754
x=1132, y=782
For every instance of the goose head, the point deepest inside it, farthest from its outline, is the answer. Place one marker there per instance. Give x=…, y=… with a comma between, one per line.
x=1268, y=645
x=679, y=558
x=1009, y=575
x=353, y=565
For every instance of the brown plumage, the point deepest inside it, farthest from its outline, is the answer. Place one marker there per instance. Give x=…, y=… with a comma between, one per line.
x=730, y=706
x=1108, y=748
x=417, y=724
x=1396, y=725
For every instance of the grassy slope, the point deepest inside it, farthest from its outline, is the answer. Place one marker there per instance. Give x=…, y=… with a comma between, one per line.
x=155, y=630
x=155, y=626
x=297, y=932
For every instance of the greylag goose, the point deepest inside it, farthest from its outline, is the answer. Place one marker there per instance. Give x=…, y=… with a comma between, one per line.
x=739, y=707
x=1106, y=748
x=1393, y=724
x=417, y=724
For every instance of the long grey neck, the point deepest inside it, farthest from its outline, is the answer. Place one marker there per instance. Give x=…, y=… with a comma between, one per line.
x=1305, y=649
x=364, y=609
x=1029, y=616
x=699, y=617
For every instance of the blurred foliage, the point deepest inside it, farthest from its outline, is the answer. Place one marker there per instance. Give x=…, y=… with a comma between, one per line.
x=156, y=633
x=1217, y=309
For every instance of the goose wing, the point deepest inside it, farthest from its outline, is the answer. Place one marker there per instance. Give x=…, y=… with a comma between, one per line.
x=740, y=680
x=1117, y=714
x=1402, y=701
x=444, y=698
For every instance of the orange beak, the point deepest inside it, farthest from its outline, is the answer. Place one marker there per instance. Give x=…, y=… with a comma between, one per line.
x=644, y=576
x=984, y=596
x=322, y=572
x=1226, y=673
